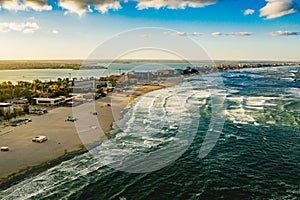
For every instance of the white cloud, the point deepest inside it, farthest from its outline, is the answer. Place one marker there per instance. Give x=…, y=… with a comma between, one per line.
x=283, y=33
x=18, y=5
x=174, y=33
x=197, y=34
x=73, y=7
x=173, y=4
x=12, y=5
x=28, y=27
x=37, y=5
x=55, y=32
x=80, y=7
x=4, y=27
x=249, y=12
x=216, y=34
x=103, y=8
x=278, y=8
x=239, y=34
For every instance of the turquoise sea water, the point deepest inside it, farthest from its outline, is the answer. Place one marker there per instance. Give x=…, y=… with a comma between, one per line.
x=154, y=153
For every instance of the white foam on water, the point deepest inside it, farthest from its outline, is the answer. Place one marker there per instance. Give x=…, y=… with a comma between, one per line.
x=256, y=124
x=142, y=128
x=259, y=101
x=254, y=108
x=287, y=79
x=53, y=178
x=294, y=91
x=249, y=110
x=202, y=94
x=233, y=91
x=234, y=136
x=238, y=99
x=271, y=122
x=239, y=116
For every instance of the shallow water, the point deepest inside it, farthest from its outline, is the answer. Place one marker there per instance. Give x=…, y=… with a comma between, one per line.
x=154, y=153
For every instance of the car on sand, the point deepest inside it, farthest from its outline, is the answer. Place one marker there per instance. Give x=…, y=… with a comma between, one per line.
x=39, y=139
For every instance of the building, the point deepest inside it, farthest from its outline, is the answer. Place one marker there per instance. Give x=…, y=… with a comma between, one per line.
x=84, y=86
x=167, y=73
x=6, y=108
x=143, y=75
x=49, y=101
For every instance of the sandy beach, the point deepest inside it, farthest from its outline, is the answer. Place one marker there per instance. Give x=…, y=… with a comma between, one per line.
x=63, y=136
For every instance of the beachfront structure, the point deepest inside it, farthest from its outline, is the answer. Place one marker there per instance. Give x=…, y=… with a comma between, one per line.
x=6, y=108
x=48, y=101
x=151, y=75
x=165, y=73
x=145, y=76
x=119, y=78
x=83, y=86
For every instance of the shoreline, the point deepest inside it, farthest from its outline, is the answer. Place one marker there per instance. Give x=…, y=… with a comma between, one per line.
x=32, y=171
x=106, y=120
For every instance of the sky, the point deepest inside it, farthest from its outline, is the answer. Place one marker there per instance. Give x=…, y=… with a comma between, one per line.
x=224, y=29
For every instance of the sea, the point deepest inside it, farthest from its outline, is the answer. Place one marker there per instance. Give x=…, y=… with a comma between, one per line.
x=232, y=135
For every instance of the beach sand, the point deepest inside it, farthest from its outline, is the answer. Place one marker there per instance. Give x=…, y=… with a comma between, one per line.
x=24, y=154
x=63, y=136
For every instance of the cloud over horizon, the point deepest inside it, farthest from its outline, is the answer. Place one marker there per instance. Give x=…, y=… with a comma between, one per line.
x=278, y=8
x=174, y=33
x=28, y=27
x=216, y=34
x=283, y=33
x=55, y=32
x=197, y=34
x=239, y=34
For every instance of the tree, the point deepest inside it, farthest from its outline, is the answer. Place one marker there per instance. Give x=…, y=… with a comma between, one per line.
x=7, y=116
x=26, y=108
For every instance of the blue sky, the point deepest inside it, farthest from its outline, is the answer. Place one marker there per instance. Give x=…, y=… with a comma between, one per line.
x=226, y=29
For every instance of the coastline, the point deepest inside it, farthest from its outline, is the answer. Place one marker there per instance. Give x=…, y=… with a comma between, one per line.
x=34, y=170
x=142, y=90
x=107, y=116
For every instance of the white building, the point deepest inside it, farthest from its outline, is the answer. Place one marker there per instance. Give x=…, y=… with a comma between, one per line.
x=7, y=108
x=48, y=101
x=84, y=85
x=165, y=73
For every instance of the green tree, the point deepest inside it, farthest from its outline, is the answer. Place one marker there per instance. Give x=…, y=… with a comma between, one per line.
x=7, y=116
x=26, y=108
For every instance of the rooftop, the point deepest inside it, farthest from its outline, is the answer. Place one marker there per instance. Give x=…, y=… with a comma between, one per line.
x=47, y=99
x=3, y=104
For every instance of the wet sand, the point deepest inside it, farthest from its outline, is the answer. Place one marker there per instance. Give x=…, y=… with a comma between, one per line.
x=63, y=136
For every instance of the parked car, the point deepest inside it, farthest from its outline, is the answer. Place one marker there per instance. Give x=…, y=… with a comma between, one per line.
x=4, y=149
x=71, y=119
x=19, y=122
x=39, y=139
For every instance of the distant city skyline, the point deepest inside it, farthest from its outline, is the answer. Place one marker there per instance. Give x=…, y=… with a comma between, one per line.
x=227, y=30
